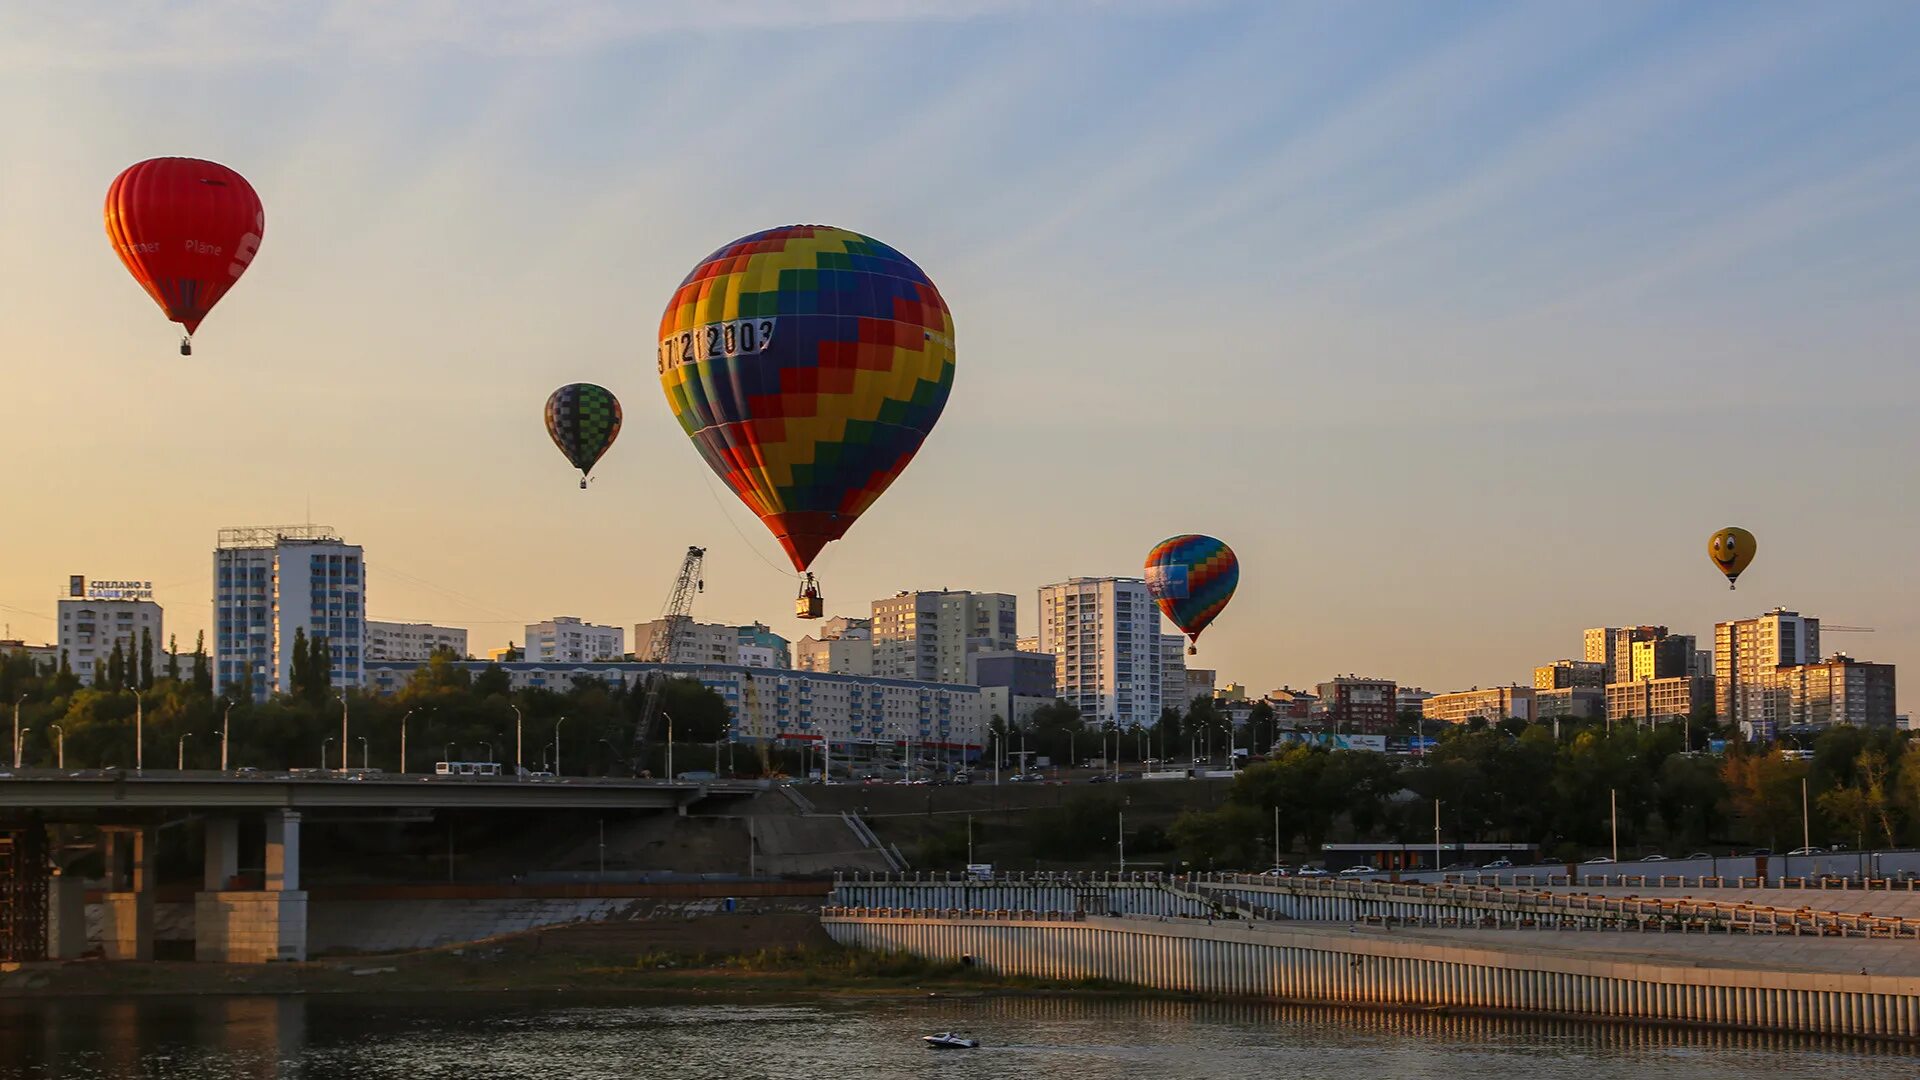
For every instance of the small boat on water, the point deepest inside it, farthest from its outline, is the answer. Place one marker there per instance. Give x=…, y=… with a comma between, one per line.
x=950, y=1040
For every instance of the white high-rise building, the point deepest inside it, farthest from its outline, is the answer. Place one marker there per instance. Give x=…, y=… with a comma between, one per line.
x=1746, y=652
x=413, y=641
x=929, y=635
x=95, y=616
x=567, y=640
x=1104, y=634
x=272, y=585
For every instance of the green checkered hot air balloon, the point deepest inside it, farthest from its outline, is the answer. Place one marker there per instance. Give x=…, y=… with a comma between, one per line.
x=583, y=419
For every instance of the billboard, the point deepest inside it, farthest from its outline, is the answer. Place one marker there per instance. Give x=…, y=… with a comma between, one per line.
x=77, y=585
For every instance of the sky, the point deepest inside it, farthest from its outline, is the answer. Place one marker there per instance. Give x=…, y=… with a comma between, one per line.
x=1464, y=324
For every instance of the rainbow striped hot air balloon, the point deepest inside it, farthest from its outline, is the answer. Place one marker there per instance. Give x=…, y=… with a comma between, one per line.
x=1193, y=577
x=807, y=363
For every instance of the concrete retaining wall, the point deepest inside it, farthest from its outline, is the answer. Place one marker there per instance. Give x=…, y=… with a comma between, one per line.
x=1314, y=965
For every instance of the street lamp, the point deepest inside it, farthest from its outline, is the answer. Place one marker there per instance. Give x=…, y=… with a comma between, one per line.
x=180, y=753
x=225, y=718
x=60, y=734
x=669, y=719
x=16, y=729
x=343, y=733
x=24, y=732
x=556, y=744
x=517, y=770
x=324, y=743
x=403, y=741
x=363, y=751
x=139, y=736
x=489, y=745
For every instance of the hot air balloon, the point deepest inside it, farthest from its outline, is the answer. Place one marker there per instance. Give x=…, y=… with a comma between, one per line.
x=1731, y=549
x=583, y=419
x=186, y=229
x=808, y=364
x=1193, y=577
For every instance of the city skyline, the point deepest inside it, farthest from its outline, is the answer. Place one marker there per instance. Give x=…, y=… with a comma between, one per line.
x=1533, y=302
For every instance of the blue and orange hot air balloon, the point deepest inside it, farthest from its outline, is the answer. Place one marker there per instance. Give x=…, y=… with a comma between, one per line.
x=808, y=364
x=1193, y=577
x=186, y=230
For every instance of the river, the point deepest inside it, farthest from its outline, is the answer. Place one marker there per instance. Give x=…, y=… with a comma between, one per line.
x=511, y=1036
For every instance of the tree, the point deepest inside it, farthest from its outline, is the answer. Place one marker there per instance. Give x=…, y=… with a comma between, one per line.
x=202, y=669
x=493, y=681
x=1054, y=729
x=319, y=668
x=298, y=667
x=116, y=669
x=1207, y=724
x=146, y=658
x=1226, y=838
x=1765, y=791
x=173, y=657
x=1167, y=732
x=1261, y=727
x=1862, y=805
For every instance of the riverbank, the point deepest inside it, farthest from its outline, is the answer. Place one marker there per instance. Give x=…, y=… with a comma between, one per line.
x=734, y=956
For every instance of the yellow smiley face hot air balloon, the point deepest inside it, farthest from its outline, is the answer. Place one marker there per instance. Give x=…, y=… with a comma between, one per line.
x=1731, y=549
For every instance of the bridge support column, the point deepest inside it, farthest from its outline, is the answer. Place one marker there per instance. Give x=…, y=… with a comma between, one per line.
x=66, y=916
x=126, y=912
x=253, y=926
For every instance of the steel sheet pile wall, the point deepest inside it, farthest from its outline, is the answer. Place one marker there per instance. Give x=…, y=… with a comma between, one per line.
x=1330, y=966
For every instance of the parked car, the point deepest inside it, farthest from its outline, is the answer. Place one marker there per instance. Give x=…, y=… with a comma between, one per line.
x=1807, y=851
x=1277, y=871
x=1358, y=871
x=1499, y=864
x=1311, y=871
x=1653, y=858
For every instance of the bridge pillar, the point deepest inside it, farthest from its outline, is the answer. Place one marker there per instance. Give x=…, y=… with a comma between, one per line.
x=252, y=926
x=126, y=912
x=66, y=916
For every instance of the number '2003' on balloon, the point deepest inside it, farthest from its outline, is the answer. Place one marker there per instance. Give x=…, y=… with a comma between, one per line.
x=1193, y=577
x=808, y=364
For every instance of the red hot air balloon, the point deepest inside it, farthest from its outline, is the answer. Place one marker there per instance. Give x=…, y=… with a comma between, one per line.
x=186, y=229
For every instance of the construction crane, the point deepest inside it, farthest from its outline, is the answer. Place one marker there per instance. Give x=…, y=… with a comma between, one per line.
x=677, y=616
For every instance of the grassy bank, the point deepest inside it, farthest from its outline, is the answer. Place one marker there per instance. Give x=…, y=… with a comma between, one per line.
x=551, y=961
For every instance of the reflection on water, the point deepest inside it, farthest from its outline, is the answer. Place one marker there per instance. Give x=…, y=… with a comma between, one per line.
x=337, y=1038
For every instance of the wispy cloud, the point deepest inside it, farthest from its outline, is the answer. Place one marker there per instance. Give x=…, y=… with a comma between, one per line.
x=89, y=34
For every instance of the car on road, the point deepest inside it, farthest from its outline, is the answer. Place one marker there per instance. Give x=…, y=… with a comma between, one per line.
x=1277, y=871
x=1311, y=871
x=1701, y=855
x=1499, y=864
x=1358, y=871
x=1653, y=858
x=1808, y=851
x=1596, y=861
x=1100, y=778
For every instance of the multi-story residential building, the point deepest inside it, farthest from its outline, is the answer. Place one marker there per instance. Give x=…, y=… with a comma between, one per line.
x=1569, y=703
x=1012, y=684
x=413, y=641
x=1410, y=699
x=272, y=585
x=45, y=658
x=1562, y=674
x=844, y=647
x=1355, y=705
x=96, y=616
x=1599, y=649
x=852, y=713
x=1830, y=692
x=567, y=640
x=1493, y=704
x=1104, y=635
x=754, y=644
x=1612, y=647
x=1173, y=669
x=1657, y=700
x=1200, y=683
x=1029, y=643
x=1295, y=705
x=1663, y=657
x=929, y=635
x=1746, y=652
x=758, y=642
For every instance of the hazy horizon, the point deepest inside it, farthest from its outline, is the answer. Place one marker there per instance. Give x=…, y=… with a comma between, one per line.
x=1464, y=326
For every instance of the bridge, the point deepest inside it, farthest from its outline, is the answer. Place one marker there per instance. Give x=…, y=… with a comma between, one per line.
x=42, y=908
